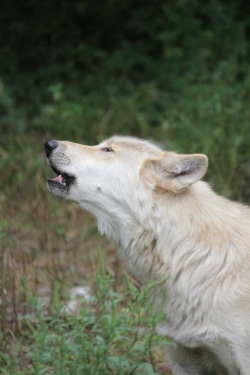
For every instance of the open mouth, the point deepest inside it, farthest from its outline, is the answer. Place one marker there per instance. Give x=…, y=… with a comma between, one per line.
x=62, y=179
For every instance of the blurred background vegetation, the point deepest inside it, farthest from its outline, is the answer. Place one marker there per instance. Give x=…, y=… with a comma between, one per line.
x=176, y=72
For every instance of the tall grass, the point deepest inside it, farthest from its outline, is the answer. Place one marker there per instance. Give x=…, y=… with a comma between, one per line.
x=107, y=336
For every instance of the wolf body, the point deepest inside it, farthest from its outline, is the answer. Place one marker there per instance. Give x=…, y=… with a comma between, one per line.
x=169, y=225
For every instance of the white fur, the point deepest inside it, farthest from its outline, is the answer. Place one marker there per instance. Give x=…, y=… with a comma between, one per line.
x=170, y=225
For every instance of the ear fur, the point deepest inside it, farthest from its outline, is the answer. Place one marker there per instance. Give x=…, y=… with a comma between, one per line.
x=173, y=172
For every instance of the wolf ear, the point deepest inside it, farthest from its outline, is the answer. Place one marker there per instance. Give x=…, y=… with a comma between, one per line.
x=173, y=172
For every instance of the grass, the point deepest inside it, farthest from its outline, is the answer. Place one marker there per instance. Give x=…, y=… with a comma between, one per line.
x=49, y=245
x=106, y=336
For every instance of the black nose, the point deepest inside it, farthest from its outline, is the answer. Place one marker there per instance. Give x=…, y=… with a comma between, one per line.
x=50, y=146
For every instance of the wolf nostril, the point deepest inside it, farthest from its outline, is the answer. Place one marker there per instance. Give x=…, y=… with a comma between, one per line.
x=50, y=146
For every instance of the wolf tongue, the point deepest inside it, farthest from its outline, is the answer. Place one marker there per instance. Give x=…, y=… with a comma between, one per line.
x=59, y=179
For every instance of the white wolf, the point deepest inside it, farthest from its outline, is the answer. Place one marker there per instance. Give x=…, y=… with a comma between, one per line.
x=170, y=225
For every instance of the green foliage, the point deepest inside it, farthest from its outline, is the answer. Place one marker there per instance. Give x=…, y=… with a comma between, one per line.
x=107, y=336
x=176, y=72
x=91, y=43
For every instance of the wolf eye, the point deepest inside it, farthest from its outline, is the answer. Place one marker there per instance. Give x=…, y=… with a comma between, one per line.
x=107, y=149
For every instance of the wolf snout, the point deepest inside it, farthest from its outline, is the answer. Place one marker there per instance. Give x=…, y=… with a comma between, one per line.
x=50, y=146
